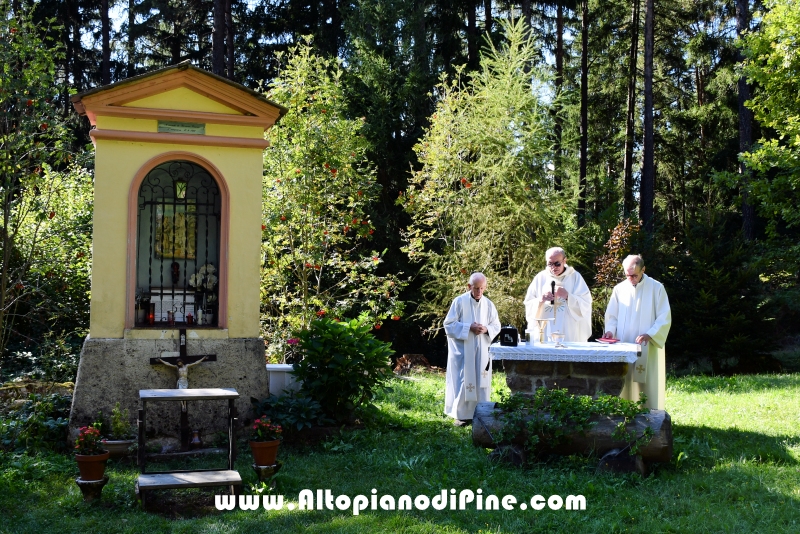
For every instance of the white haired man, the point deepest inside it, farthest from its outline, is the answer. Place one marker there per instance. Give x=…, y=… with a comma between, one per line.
x=572, y=299
x=638, y=312
x=470, y=325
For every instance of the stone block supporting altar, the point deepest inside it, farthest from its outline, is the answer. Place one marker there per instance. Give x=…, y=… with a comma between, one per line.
x=114, y=368
x=578, y=378
x=582, y=369
x=598, y=440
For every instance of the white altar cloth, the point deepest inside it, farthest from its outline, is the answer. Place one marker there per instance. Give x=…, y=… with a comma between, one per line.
x=573, y=352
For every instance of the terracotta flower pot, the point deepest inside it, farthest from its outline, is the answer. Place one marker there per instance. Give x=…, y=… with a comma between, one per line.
x=92, y=466
x=264, y=452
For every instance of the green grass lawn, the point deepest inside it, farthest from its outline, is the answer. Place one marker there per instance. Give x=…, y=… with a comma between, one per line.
x=736, y=469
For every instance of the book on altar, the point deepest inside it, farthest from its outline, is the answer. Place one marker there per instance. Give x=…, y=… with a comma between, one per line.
x=607, y=340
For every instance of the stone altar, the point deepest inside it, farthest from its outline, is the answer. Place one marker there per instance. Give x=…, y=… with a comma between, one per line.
x=588, y=368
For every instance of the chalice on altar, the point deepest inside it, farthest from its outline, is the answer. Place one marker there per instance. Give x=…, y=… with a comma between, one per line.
x=542, y=325
x=558, y=337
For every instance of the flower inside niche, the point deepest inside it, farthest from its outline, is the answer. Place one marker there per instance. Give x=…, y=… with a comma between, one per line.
x=204, y=279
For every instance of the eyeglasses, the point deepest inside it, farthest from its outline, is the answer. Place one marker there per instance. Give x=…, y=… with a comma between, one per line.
x=554, y=264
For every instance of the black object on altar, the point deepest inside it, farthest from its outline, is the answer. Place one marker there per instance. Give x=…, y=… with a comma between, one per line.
x=509, y=336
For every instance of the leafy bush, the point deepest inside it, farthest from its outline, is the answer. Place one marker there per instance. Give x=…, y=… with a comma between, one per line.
x=343, y=365
x=44, y=199
x=121, y=427
x=319, y=198
x=547, y=418
x=292, y=412
x=39, y=424
x=54, y=358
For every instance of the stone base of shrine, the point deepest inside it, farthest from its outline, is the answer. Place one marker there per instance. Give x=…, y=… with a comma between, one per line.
x=579, y=378
x=114, y=370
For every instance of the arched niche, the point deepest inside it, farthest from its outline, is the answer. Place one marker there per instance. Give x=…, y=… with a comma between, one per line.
x=177, y=245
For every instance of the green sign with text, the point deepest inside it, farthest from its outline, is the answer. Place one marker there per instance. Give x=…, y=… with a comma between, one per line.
x=196, y=128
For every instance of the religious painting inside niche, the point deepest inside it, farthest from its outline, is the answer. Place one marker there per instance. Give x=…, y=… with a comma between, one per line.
x=176, y=230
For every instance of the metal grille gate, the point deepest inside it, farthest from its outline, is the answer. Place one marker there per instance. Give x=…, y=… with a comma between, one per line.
x=177, y=247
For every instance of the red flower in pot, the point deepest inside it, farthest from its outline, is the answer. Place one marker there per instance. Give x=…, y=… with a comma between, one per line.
x=265, y=440
x=90, y=454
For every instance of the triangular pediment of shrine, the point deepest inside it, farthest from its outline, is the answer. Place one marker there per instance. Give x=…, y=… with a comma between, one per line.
x=181, y=93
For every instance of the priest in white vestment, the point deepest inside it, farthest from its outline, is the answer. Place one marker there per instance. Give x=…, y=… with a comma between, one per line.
x=572, y=306
x=470, y=325
x=638, y=312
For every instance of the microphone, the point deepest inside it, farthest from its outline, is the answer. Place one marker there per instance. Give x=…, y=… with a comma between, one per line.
x=553, y=291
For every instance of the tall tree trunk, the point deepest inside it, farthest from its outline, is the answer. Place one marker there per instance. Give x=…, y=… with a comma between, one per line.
x=5, y=268
x=647, y=187
x=472, y=37
x=106, y=30
x=584, y=156
x=421, y=38
x=700, y=82
x=131, y=38
x=69, y=55
x=525, y=7
x=229, y=37
x=175, y=44
x=487, y=16
x=745, y=129
x=630, y=121
x=331, y=32
x=557, y=127
x=77, y=72
x=218, y=39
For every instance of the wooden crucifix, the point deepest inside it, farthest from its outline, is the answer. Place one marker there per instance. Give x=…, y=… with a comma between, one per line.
x=181, y=362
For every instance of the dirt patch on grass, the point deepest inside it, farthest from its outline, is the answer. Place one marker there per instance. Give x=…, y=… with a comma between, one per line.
x=183, y=503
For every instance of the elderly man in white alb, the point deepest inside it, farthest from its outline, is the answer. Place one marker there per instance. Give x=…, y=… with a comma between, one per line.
x=638, y=312
x=573, y=300
x=470, y=325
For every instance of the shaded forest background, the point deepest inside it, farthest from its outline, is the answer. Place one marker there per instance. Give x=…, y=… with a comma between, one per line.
x=641, y=115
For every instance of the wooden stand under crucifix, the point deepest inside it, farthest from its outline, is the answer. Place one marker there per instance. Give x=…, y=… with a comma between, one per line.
x=181, y=362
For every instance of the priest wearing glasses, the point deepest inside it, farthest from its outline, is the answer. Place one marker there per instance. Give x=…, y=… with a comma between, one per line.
x=470, y=325
x=638, y=312
x=570, y=303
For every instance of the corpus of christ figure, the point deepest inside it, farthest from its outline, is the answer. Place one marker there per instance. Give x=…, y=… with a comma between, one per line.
x=183, y=371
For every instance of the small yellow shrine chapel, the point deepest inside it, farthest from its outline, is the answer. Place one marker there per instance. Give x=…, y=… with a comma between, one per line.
x=176, y=241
